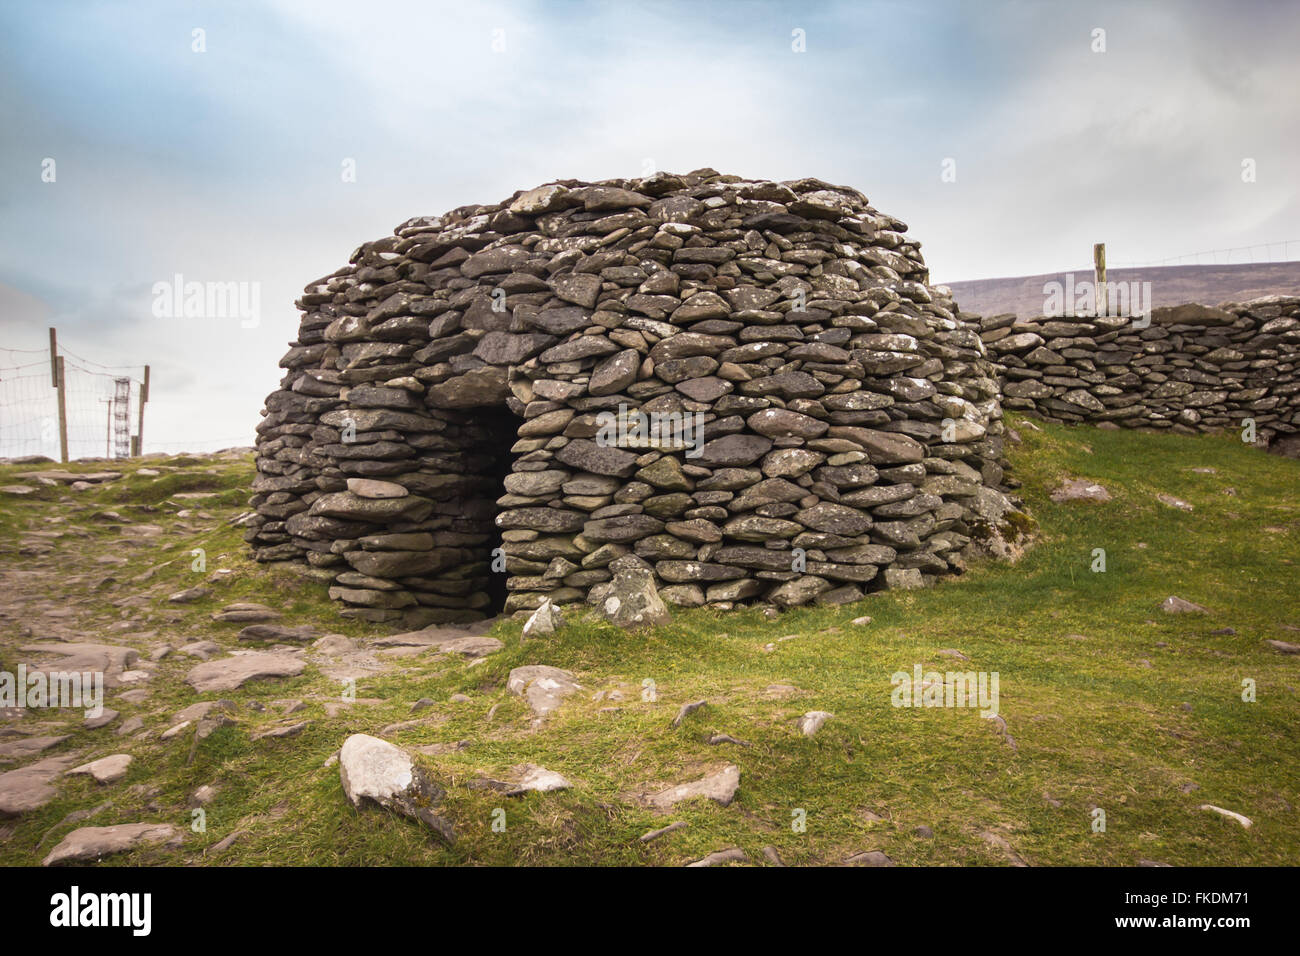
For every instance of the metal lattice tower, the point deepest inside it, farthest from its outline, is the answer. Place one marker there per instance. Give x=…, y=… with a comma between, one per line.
x=122, y=418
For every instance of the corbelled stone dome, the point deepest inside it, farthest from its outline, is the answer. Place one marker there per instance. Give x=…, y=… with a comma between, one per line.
x=748, y=385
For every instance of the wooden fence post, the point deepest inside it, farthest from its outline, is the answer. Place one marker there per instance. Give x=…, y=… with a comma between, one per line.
x=63, y=408
x=138, y=450
x=54, y=351
x=1099, y=277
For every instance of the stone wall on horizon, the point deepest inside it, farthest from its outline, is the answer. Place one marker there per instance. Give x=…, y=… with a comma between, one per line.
x=1193, y=368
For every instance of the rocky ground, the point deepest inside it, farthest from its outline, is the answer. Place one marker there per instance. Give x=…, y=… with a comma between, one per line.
x=245, y=722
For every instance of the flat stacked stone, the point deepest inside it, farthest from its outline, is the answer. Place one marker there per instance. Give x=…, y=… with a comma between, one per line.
x=848, y=410
x=1192, y=369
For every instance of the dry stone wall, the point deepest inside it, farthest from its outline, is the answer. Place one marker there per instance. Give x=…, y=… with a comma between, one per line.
x=746, y=387
x=1193, y=368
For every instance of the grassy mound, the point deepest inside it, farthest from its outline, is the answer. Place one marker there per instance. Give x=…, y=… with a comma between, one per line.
x=1106, y=701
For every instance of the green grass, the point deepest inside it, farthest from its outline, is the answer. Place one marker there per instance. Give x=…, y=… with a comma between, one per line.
x=1100, y=721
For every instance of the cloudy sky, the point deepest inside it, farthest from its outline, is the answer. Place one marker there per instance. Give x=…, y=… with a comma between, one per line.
x=226, y=164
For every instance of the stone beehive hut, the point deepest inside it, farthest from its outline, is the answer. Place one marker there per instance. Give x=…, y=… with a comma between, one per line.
x=821, y=422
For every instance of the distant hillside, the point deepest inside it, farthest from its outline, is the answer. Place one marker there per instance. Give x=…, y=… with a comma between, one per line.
x=1170, y=285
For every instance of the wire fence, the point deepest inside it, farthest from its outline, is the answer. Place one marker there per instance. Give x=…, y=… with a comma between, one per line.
x=99, y=401
x=1281, y=251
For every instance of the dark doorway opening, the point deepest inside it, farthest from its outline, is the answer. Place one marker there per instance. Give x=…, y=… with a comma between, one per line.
x=462, y=471
x=501, y=428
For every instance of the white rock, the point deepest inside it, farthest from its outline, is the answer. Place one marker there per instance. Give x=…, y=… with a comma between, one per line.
x=544, y=687
x=544, y=620
x=106, y=769
x=812, y=721
x=374, y=770
x=1244, y=821
x=720, y=787
x=542, y=780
